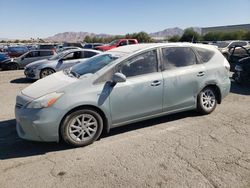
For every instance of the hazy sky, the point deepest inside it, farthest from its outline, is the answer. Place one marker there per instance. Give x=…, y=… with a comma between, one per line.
x=43, y=18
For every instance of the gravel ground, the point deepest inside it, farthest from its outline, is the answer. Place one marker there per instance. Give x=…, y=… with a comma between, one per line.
x=181, y=150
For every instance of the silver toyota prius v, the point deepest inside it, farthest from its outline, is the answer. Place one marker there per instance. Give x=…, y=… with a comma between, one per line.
x=121, y=86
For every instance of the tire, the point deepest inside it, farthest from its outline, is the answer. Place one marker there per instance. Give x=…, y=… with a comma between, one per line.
x=13, y=66
x=207, y=101
x=46, y=72
x=81, y=127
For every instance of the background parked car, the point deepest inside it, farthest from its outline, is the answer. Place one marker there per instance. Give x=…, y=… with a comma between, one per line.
x=92, y=45
x=42, y=68
x=67, y=48
x=25, y=59
x=242, y=71
x=225, y=46
x=3, y=56
x=16, y=51
x=116, y=43
x=46, y=47
x=235, y=54
x=119, y=87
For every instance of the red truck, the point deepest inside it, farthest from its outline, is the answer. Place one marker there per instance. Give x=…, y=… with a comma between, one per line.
x=116, y=43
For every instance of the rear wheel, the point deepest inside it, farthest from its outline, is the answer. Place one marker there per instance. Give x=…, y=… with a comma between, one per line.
x=81, y=127
x=46, y=72
x=206, y=102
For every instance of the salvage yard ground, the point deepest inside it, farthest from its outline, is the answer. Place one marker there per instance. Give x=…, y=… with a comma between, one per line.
x=181, y=150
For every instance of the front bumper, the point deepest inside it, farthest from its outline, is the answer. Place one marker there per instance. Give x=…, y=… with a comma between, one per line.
x=31, y=73
x=38, y=124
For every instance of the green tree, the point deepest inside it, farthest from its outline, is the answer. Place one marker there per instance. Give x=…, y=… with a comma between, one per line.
x=174, y=38
x=142, y=37
x=87, y=39
x=189, y=35
x=246, y=36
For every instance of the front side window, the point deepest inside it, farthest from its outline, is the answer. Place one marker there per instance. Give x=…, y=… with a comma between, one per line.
x=174, y=57
x=73, y=55
x=123, y=43
x=144, y=63
x=32, y=54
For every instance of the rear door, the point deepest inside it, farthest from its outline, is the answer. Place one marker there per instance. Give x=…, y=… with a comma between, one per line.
x=182, y=77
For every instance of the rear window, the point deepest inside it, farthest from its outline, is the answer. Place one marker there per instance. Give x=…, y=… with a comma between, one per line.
x=204, y=54
x=88, y=54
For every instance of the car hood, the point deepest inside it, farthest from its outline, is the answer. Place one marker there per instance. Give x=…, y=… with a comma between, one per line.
x=48, y=84
x=38, y=63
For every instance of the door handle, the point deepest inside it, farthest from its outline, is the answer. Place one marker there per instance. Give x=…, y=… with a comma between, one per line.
x=156, y=83
x=202, y=73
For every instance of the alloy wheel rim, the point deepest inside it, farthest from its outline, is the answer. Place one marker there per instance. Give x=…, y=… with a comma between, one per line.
x=46, y=73
x=83, y=127
x=208, y=99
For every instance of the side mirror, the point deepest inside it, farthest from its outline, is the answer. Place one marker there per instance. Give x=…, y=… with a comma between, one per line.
x=60, y=62
x=118, y=77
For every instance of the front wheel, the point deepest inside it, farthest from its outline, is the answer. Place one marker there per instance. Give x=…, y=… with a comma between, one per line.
x=81, y=127
x=206, y=101
x=13, y=66
x=46, y=72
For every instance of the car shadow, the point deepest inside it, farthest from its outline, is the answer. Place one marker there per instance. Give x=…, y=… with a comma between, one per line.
x=11, y=146
x=151, y=122
x=242, y=89
x=22, y=81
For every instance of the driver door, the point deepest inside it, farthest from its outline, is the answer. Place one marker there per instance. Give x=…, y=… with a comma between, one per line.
x=141, y=94
x=69, y=60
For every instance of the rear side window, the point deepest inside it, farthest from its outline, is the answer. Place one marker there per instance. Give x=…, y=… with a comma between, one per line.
x=46, y=53
x=46, y=47
x=204, y=54
x=88, y=54
x=131, y=42
x=174, y=57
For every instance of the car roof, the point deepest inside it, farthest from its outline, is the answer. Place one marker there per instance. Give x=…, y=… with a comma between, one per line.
x=137, y=47
x=75, y=50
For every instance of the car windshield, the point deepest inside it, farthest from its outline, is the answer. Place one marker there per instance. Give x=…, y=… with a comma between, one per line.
x=57, y=56
x=93, y=64
x=113, y=43
x=222, y=44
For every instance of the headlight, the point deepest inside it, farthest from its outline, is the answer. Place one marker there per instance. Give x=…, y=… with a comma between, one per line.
x=44, y=101
x=238, y=68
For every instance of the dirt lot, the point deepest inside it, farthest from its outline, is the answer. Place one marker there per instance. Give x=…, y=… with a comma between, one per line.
x=182, y=150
